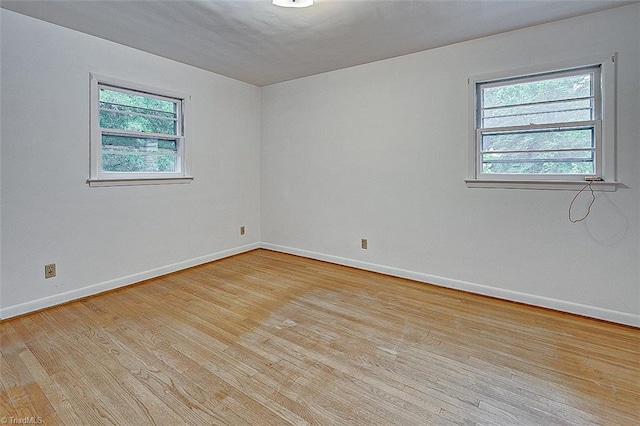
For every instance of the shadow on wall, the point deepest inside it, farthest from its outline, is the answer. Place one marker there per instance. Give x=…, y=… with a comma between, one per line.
x=606, y=224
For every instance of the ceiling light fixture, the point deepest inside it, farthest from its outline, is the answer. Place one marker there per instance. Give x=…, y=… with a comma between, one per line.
x=293, y=3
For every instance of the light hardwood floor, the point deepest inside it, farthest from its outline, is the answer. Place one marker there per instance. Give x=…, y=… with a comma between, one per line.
x=265, y=338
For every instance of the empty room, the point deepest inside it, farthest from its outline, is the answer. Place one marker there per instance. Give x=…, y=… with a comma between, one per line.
x=320, y=212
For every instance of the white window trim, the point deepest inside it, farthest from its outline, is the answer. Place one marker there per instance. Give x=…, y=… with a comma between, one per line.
x=607, y=64
x=97, y=177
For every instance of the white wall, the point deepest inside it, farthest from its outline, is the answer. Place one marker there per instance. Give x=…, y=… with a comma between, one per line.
x=379, y=151
x=102, y=238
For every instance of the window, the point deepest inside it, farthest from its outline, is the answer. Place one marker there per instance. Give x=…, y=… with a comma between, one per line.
x=553, y=125
x=137, y=135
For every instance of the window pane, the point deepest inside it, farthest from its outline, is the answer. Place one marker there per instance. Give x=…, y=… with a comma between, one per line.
x=138, y=163
x=132, y=154
x=138, y=113
x=135, y=110
x=522, y=115
x=111, y=143
x=539, y=140
x=533, y=157
x=552, y=89
x=137, y=123
x=137, y=103
x=556, y=151
x=539, y=167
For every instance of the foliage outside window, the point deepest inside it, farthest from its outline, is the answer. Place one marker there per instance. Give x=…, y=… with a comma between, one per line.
x=543, y=126
x=137, y=134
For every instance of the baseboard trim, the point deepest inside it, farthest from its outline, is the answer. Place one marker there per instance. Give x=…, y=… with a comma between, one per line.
x=92, y=290
x=529, y=299
x=514, y=296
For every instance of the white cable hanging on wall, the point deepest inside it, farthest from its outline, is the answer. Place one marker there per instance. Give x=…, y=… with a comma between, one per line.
x=593, y=199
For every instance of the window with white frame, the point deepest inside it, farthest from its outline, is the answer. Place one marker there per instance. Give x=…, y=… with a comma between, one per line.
x=137, y=134
x=554, y=124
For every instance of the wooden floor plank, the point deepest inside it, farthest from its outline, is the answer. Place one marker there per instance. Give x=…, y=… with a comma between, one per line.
x=268, y=338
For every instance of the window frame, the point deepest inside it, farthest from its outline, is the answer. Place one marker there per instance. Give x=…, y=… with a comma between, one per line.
x=603, y=123
x=98, y=177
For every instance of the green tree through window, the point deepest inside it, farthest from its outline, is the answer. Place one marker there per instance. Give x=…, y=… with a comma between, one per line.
x=541, y=125
x=138, y=132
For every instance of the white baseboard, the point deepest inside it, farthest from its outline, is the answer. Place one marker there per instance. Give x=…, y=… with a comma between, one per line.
x=514, y=296
x=57, y=299
x=559, y=305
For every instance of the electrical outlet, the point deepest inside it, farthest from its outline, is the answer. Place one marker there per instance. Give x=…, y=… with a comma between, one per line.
x=242, y=230
x=363, y=243
x=50, y=270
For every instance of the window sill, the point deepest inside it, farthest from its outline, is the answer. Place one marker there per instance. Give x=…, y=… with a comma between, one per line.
x=138, y=181
x=541, y=184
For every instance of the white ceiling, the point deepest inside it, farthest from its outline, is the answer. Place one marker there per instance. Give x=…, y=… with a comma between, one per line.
x=256, y=42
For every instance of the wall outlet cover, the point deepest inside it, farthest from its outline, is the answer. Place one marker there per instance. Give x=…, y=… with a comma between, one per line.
x=50, y=270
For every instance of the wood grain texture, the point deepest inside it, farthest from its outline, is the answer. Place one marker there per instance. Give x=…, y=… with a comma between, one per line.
x=265, y=338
